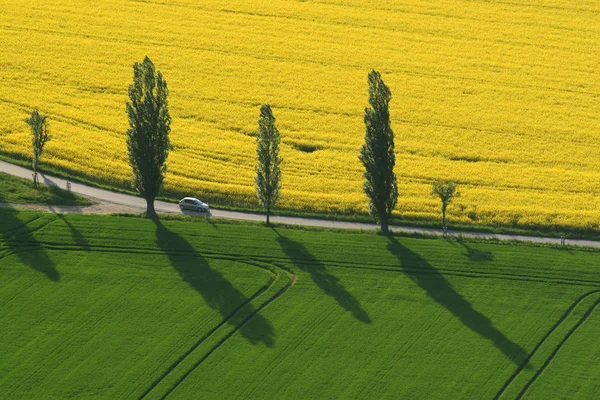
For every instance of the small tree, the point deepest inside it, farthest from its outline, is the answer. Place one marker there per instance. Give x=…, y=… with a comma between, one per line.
x=377, y=154
x=268, y=172
x=40, y=135
x=148, y=135
x=446, y=191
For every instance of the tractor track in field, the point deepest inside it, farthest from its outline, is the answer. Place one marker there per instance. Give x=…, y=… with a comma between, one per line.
x=14, y=250
x=23, y=227
x=11, y=232
x=206, y=336
x=556, y=349
x=277, y=266
x=235, y=330
x=277, y=271
x=337, y=264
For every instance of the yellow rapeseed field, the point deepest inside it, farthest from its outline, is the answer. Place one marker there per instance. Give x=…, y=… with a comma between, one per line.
x=501, y=96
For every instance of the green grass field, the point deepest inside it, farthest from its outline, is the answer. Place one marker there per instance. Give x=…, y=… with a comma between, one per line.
x=118, y=307
x=18, y=190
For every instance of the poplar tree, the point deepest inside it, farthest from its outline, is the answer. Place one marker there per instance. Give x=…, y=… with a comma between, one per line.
x=268, y=173
x=148, y=135
x=40, y=135
x=377, y=154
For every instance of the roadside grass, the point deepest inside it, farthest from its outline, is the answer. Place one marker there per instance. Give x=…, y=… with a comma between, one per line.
x=19, y=190
x=115, y=306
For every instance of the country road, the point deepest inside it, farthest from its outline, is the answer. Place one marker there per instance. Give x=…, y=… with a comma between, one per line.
x=113, y=202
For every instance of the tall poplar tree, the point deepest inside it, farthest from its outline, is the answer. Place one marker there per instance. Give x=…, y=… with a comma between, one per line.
x=268, y=172
x=148, y=135
x=39, y=136
x=377, y=154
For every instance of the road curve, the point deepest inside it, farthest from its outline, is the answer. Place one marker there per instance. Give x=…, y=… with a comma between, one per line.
x=128, y=203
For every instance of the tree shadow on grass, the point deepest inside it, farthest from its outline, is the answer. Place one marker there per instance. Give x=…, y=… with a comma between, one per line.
x=58, y=196
x=19, y=240
x=328, y=283
x=78, y=238
x=476, y=255
x=217, y=291
x=441, y=291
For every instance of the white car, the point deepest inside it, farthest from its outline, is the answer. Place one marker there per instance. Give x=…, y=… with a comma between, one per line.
x=190, y=203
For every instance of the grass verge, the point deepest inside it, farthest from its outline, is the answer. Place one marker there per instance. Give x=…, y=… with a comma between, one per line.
x=19, y=190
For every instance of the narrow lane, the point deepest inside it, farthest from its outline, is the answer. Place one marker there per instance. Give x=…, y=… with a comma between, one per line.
x=129, y=203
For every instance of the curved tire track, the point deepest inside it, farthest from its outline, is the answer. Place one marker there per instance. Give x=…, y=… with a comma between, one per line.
x=557, y=349
x=276, y=269
x=544, y=339
x=509, y=275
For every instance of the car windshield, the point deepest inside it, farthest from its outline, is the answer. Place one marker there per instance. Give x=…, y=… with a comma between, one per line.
x=193, y=201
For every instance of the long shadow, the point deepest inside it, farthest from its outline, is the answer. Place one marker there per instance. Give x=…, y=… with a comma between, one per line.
x=474, y=254
x=78, y=238
x=18, y=237
x=217, y=291
x=328, y=283
x=441, y=291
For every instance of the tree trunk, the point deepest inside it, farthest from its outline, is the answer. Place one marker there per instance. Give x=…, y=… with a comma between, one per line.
x=384, y=223
x=34, y=165
x=150, y=211
x=268, y=212
x=443, y=216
